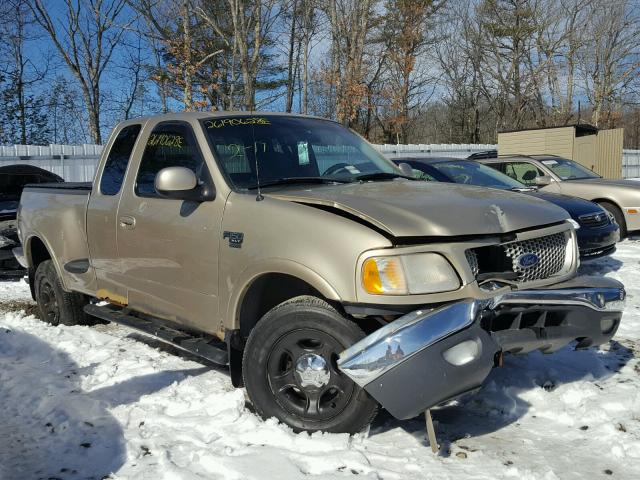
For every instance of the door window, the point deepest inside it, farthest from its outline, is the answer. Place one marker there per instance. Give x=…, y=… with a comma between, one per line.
x=171, y=144
x=118, y=159
x=524, y=172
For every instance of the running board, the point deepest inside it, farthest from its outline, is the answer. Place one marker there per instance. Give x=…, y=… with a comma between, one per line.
x=205, y=346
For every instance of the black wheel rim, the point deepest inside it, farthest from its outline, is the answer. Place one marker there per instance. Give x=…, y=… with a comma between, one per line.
x=313, y=395
x=49, y=303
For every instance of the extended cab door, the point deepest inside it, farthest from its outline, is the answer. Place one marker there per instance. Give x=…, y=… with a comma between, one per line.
x=168, y=248
x=102, y=212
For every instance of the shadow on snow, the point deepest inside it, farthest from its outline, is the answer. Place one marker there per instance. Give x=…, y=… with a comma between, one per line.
x=50, y=427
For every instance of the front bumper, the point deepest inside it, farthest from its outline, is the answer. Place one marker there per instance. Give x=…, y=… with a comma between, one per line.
x=598, y=242
x=430, y=356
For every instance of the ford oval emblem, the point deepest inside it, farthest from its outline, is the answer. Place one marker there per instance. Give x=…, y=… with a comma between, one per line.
x=527, y=260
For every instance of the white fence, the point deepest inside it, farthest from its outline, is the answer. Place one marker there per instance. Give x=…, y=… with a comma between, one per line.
x=74, y=163
x=631, y=164
x=433, y=150
x=77, y=163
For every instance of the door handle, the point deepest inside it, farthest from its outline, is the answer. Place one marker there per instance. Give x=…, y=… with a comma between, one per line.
x=127, y=223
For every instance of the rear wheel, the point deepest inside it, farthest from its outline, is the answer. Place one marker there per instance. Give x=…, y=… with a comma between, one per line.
x=290, y=369
x=617, y=214
x=57, y=306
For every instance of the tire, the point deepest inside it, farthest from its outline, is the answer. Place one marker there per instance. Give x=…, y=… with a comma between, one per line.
x=617, y=214
x=56, y=306
x=305, y=332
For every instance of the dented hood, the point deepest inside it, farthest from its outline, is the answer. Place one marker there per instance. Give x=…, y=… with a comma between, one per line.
x=405, y=208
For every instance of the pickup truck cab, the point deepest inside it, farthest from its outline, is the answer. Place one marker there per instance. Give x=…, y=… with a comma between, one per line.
x=288, y=248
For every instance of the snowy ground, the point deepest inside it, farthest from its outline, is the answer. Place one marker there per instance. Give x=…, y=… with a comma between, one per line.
x=105, y=402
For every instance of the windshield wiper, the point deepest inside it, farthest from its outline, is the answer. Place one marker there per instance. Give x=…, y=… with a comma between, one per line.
x=294, y=180
x=380, y=176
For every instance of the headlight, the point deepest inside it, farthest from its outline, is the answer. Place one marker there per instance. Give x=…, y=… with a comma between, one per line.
x=6, y=242
x=412, y=274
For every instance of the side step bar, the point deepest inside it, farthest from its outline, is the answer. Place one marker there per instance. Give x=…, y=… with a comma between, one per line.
x=205, y=346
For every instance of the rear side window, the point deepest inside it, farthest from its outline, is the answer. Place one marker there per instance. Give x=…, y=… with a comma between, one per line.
x=171, y=144
x=118, y=159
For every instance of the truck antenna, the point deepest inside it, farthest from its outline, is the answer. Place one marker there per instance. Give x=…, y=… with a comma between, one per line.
x=259, y=197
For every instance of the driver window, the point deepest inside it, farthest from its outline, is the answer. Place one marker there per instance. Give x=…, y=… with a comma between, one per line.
x=334, y=158
x=171, y=144
x=524, y=172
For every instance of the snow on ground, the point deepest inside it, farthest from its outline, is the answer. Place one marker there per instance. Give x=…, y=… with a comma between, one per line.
x=106, y=402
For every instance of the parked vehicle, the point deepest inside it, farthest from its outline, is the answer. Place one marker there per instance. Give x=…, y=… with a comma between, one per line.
x=597, y=231
x=13, y=178
x=484, y=154
x=288, y=248
x=559, y=175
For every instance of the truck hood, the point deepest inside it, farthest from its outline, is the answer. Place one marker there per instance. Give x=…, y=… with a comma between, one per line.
x=405, y=208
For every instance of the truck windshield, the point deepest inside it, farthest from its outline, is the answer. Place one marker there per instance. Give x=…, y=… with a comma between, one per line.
x=289, y=149
x=568, y=169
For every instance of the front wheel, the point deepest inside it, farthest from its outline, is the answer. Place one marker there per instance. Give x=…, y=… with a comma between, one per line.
x=290, y=370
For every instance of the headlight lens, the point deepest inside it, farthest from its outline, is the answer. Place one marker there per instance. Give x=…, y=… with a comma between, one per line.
x=408, y=275
x=6, y=242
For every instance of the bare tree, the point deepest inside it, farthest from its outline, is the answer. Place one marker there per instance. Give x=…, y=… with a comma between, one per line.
x=252, y=22
x=16, y=29
x=86, y=40
x=460, y=56
x=610, y=57
x=405, y=35
x=351, y=23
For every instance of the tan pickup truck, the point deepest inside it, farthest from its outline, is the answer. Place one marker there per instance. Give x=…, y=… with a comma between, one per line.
x=286, y=247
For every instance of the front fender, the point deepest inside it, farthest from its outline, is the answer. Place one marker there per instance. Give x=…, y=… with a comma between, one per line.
x=275, y=265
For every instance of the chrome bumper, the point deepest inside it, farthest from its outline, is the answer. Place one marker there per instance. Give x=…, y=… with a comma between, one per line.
x=429, y=356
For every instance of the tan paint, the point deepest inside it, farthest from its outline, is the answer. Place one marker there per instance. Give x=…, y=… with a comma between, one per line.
x=177, y=265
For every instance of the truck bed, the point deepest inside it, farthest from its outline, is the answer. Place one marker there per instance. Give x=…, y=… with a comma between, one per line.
x=74, y=186
x=56, y=214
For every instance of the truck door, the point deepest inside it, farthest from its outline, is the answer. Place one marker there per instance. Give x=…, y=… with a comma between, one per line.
x=168, y=248
x=102, y=211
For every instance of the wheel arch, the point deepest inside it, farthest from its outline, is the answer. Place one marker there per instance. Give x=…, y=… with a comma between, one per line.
x=256, y=277
x=262, y=289
x=608, y=200
x=37, y=251
x=616, y=204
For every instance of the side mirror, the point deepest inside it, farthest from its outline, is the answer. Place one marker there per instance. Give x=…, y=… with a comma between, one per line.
x=543, y=180
x=180, y=183
x=406, y=169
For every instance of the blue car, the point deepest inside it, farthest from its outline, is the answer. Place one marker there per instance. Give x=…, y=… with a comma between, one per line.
x=598, y=232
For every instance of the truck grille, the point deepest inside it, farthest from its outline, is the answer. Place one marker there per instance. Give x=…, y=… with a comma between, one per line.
x=594, y=220
x=549, y=250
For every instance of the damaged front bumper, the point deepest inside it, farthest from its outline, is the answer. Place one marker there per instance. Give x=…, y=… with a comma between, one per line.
x=430, y=356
